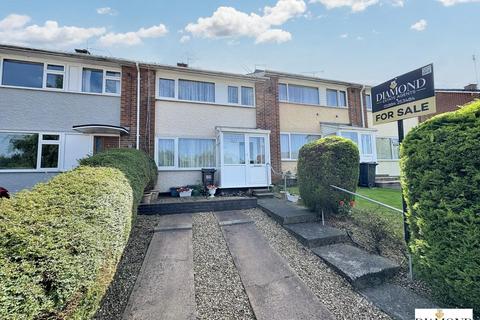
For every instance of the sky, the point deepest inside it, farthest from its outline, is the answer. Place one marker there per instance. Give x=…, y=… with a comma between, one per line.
x=364, y=41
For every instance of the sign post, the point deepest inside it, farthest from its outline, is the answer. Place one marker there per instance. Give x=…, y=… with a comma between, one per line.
x=407, y=96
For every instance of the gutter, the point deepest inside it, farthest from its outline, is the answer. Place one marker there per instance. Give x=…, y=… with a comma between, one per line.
x=138, y=107
x=362, y=106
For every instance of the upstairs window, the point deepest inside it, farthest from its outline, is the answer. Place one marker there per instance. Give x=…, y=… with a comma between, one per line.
x=368, y=102
x=302, y=94
x=196, y=90
x=166, y=88
x=112, y=82
x=92, y=80
x=232, y=94
x=336, y=98
x=55, y=74
x=282, y=92
x=247, y=96
x=22, y=74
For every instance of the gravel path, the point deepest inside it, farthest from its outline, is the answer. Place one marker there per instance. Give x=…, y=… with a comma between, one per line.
x=116, y=297
x=219, y=292
x=335, y=292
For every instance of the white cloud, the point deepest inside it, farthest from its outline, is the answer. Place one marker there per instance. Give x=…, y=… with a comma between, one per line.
x=448, y=3
x=227, y=22
x=420, y=25
x=355, y=5
x=107, y=10
x=133, y=37
x=398, y=3
x=14, y=30
x=360, y=38
x=184, y=39
x=344, y=35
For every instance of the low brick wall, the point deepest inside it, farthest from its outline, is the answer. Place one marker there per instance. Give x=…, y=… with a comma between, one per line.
x=197, y=206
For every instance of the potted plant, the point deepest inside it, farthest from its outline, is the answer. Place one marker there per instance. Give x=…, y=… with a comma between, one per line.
x=292, y=197
x=211, y=190
x=184, y=192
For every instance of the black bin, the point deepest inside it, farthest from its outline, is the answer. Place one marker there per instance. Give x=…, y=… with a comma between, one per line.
x=208, y=176
x=367, y=174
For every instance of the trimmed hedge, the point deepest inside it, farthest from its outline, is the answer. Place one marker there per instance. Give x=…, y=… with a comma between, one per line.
x=440, y=161
x=324, y=162
x=60, y=244
x=137, y=166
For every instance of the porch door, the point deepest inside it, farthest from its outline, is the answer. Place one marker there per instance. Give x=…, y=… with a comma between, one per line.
x=258, y=159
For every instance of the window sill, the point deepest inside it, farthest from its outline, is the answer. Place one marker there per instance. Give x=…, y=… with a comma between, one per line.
x=30, y=170
x=62, y=91
x=290, y=160
x=172, y=169
x=388, y=160
x=313, y=105
x=206, y=103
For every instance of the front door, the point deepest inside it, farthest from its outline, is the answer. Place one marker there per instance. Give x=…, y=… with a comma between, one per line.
x=257, y=169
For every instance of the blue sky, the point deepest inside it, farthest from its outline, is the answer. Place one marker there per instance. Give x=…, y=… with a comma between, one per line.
x=366, y=41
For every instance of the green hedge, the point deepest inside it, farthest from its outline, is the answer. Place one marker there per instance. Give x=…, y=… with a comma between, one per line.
x=60, y=244
x=137, y=166
x=440, y=161
x=327, y=161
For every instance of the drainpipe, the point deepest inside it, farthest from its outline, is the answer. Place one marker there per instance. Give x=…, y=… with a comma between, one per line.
x=362, y=106
x=138, y=107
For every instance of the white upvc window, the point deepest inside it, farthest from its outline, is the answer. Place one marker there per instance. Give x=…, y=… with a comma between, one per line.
x=298, y=94
x=30, y=151
x=185, y=153
x=387, y=148
x=336, y=98
x=247, y=96
x=363, y=140
x=368, y=101
x=291, y=143
x=193, y=90
x=54, y=76
x=112, y=82
x=101, y=81
x=166, y=88
x=232, y=94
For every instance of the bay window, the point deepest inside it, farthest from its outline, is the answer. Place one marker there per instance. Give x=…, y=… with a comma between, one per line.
x=20, y=151
x=22, y=73
x=166, y=88
x=196, y=90
x=247, y=96
x=387, y=148
x=291, y=143
x=184, y=153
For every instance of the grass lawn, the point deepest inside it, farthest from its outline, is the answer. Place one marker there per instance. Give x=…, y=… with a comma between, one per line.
x=391, y=197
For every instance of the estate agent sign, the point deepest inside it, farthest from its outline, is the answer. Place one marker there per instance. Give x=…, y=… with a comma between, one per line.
x=406, y=96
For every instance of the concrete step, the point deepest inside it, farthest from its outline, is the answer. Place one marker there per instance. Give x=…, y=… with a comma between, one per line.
x=397, y=302
x=387, y=178
x=285, y=212
x=314, y=234
x=388, y=184
x=359, y=267
x=262, y=193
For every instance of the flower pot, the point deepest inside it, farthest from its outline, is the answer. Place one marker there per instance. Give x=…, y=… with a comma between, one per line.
x=211, y=192
x=147, y=198
x=185, y=193
x=292, y=198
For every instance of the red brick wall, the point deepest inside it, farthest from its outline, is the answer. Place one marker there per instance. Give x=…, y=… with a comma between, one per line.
x=268, y=118
x=450, y=101
x=355, y=107
x=128, y=108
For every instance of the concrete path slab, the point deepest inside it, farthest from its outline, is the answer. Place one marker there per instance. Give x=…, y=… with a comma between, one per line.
x=359, y=267
x=226, y=218
x=174, y=222
x=314, y=234
x=165, y=286
x=397, y=302
x=285, y=212
x=274, y=291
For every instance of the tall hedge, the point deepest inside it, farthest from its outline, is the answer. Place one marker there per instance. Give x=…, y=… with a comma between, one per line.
x=60, y=244
x=440, y=161
x=137, y=166
x=324, y=162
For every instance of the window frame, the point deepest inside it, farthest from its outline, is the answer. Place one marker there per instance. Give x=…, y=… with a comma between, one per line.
x=176, y=166
x=238, y=95
x=290, y=143
x=199, y=81
x=391, y=140
x=368, y=106
x=338, y=98
x=61, y=146
x=175, y=91
x=2, y=61
x=106, y=77
x=373, y=140
x=56, y=72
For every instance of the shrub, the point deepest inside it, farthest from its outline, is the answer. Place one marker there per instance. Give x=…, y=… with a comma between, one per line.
x=60, y=244
x=440, y=161
x=137, y=166
x=327, y=161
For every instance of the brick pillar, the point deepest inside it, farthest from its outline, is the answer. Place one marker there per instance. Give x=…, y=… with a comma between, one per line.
x=354, y=107
x=128, y=108
x=268, y=118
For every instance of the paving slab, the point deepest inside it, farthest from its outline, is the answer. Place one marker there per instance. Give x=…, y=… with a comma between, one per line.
x=174, y=222
x=274, y=291
x=397, y=302
x=165, y=286
x=285, y=212
x=226, y=218
x=314, y=234
x=359, y=267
